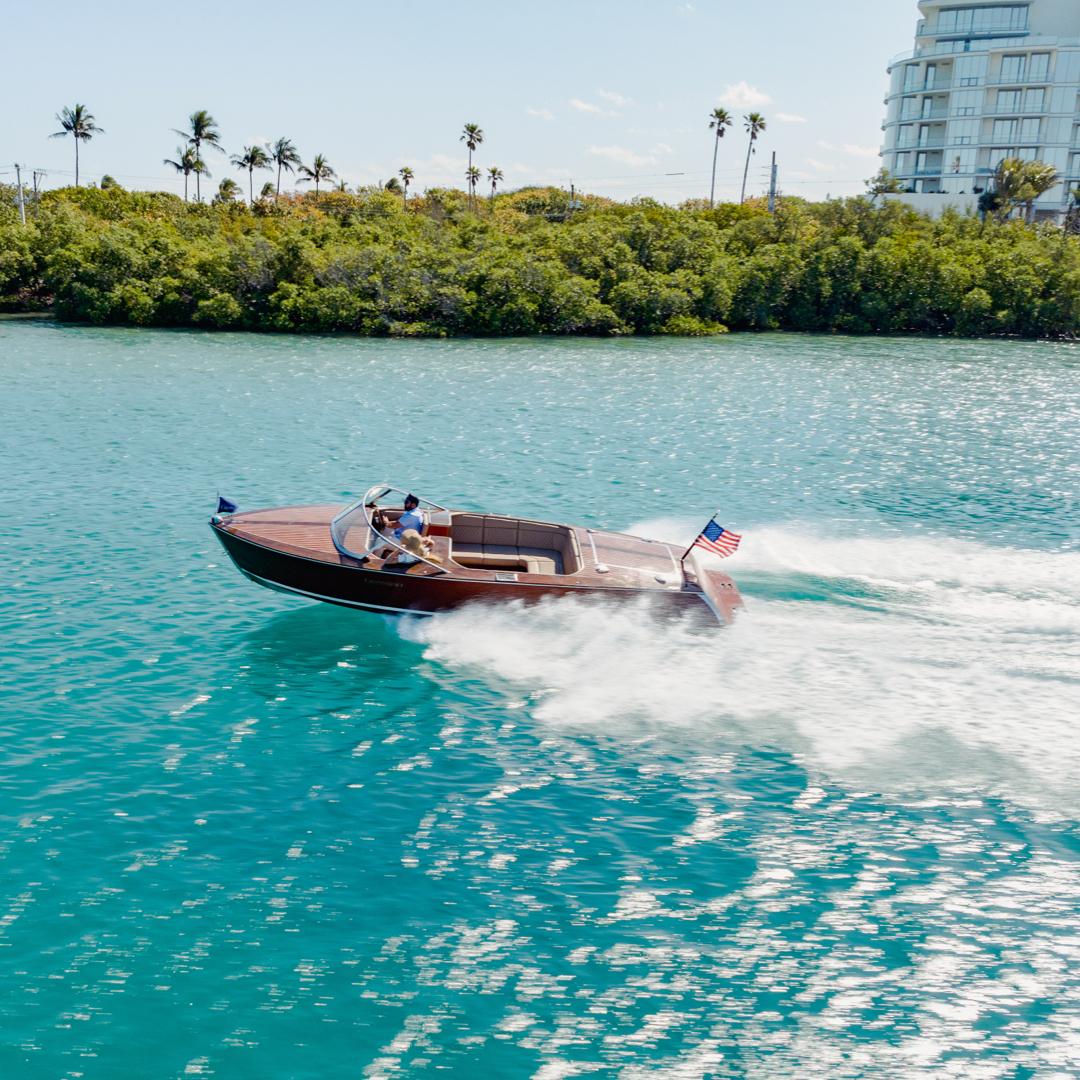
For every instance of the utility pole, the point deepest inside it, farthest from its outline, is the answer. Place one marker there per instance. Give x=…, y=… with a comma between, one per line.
x=18, y=181
x=772, y=185
x=37, y=173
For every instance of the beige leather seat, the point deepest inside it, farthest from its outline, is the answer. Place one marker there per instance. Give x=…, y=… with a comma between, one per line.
x=484, y=541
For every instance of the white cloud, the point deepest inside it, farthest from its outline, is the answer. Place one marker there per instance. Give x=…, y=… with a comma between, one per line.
x=661, y=148
x=448, y=162
x=790, y=118
x=860, y=151
x=819, y=164
x=822, y=143
x=558, y=172
x=583, y=106
x=539, y=112
x=627, y=157
x=742, y=96
x=616, y=99
x=799, y=175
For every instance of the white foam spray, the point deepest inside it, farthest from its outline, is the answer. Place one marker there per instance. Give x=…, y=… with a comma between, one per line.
x=904, y=664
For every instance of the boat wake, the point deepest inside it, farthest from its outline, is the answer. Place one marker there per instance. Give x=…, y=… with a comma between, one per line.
x=896, y=665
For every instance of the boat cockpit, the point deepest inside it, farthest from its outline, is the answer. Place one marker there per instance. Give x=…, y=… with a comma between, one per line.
x=473, y=541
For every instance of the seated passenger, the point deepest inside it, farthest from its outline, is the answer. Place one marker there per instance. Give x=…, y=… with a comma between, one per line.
x=416, y=547
x=413, y=518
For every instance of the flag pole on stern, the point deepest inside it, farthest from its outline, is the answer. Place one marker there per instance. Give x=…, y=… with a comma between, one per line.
x=715, y=538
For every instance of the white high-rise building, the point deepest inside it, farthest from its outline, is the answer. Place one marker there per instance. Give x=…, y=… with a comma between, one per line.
x=986, y=81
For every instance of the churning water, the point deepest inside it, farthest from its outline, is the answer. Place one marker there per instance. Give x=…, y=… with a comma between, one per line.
x=247, y=836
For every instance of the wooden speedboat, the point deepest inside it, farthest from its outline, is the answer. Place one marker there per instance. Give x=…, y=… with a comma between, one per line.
x=350, y=556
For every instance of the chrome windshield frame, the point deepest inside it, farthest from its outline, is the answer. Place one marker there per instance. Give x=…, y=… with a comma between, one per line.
x=368, y=503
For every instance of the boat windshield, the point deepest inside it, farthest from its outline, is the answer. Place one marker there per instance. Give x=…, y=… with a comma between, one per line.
x=359, y=528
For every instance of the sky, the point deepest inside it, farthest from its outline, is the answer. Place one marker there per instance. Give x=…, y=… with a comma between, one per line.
x=613, y=97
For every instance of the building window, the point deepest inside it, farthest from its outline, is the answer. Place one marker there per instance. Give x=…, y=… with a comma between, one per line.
x=1008, y=100
x=1028, y=153
x=966, y=102
x=963, y=132
x=1030, y=129
x=1039, y=65
x=1035, y=99
x=1012, y=68
x=1004, y=129
x=971, y=70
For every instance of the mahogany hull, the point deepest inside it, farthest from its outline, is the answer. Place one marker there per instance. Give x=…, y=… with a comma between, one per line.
x=349, y=583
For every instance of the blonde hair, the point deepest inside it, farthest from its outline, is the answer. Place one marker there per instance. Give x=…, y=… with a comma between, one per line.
x=415, y=544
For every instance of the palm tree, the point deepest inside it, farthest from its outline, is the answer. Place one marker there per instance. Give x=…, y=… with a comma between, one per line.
x=472, y=175
x=406, y=175
x=80, y=123
x=1040, y=177
x=198, y=167
x=283, y=154
x=495, y=176
x=320, y=170
x=267, y=190
x=253, y=157
x=472, y=137
x=1011, y=185
x=227, y=189
x=184, y=163
x=721, y=119
x=203, y=130
x=755, y=125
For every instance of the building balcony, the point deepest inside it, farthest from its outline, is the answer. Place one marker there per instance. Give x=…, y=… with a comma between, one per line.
x=940, y=113
x=1023, y=79
x=1023, y=110
x=927, y=87
x=926, y=29
x=925, y=144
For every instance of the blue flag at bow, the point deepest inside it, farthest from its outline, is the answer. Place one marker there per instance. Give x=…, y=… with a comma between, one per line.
x=224, y=506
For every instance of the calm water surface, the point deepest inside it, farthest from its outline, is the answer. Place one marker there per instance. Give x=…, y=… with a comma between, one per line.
x=247, y=836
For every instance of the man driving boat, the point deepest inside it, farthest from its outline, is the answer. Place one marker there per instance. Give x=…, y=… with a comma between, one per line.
x=413, y=518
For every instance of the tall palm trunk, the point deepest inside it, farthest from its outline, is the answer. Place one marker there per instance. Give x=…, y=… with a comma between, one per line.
x=76, y=160
x=198, y=174
x=251, y=185
x=277, y=194
x=716, y=147
x=746, y=170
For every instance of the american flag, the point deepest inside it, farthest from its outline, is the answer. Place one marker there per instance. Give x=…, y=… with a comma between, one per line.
x=718, y=540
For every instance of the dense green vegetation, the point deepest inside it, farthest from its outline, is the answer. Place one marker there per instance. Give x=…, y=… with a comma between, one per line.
x=528, y=262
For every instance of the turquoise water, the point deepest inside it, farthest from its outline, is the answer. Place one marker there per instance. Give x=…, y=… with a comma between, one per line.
x=248, y=836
